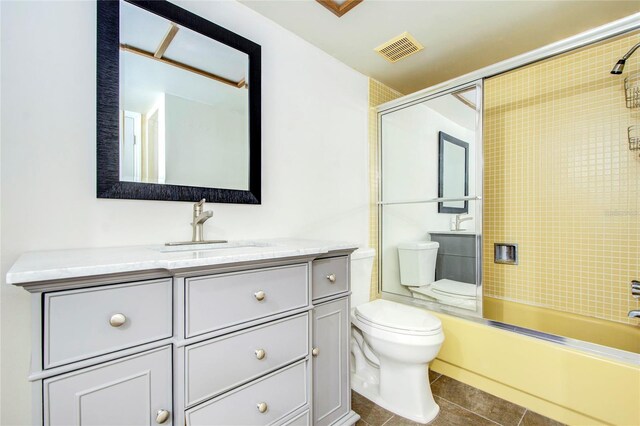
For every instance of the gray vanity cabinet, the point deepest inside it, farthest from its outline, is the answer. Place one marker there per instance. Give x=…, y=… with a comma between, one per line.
x=331, y=333
x=232, y=343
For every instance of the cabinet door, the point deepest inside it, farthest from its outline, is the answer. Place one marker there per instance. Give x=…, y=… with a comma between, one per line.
x=128, y=391
x=331, y=393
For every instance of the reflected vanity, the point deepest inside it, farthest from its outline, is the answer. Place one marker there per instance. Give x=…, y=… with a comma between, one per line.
x=430, y=207
x=178, y=106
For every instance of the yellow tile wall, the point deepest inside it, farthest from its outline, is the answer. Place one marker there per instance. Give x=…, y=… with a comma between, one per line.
x=560, y=181
x=378, y=94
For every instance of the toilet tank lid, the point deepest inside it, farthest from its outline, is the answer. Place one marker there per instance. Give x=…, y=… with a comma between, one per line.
x=398, y=316
x=419, y=245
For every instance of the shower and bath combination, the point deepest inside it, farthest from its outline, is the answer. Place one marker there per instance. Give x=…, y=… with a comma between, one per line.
x=633, y=145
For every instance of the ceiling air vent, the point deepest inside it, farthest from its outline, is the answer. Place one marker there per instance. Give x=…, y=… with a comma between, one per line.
x=399, y=47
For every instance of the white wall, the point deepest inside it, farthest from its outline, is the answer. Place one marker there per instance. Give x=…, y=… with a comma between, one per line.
x=314, y=155
x=410, y=147
x=205, y=145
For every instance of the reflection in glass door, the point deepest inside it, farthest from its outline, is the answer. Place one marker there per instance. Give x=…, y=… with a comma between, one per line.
x=429, y=202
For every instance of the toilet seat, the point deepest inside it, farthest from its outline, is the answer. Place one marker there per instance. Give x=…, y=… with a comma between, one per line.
x=388, y=316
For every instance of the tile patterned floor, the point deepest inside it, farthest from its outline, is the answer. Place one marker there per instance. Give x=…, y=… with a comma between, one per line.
x=460, y=405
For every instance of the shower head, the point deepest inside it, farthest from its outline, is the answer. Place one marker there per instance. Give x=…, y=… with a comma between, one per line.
x=619, y=66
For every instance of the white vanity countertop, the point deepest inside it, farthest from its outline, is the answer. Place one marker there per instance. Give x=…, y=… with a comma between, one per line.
x=66, y=264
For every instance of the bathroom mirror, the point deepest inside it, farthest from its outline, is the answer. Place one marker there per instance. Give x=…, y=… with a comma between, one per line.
x=430, y=150
x=453, y=174
x=178, y=106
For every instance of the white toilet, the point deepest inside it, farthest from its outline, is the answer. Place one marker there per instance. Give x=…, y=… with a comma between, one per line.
x=391, y=347
x=418, y=273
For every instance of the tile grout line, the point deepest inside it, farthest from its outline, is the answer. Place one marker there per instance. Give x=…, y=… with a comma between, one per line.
x=521, y=418
x=388, y=420
x=472, y=412
x=435, y=380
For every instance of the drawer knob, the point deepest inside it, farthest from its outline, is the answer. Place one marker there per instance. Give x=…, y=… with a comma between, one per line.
x=315, y=351
x=260, y=353
x=260, y=296
x=162, y=416
x=117, y=320
x=331, y=278
x=262, y=407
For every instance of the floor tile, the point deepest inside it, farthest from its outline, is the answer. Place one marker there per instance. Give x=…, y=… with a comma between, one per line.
x=361, y=423
x=477, y=401
x=453, y=415
x=534, y=419
x=401, y=421
x=369, y=412
x=450, y=415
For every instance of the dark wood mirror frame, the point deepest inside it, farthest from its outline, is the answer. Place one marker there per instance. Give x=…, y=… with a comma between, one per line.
x=109, y=184
x=445, y=138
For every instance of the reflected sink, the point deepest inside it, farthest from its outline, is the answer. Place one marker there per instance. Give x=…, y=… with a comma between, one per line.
x=175, y=247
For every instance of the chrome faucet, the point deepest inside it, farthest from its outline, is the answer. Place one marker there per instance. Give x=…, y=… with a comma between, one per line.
x=457, y=221
x=634, y=314
x=199, y=218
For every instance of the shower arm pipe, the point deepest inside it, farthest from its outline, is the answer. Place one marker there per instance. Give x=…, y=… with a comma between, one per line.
x=630, y=52
x=430, y=200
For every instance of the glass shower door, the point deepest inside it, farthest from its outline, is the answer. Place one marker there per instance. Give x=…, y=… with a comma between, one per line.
x=429, y=202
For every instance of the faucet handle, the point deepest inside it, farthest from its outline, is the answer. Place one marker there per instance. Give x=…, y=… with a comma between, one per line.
x=201, y=202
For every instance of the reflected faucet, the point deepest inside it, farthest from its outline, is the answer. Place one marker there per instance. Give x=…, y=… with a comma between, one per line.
x=634, y=314
x=199, y=218
x=459, y=218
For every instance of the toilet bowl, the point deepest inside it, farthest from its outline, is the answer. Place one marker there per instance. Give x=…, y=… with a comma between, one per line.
x=391, y=348
x=418, y=271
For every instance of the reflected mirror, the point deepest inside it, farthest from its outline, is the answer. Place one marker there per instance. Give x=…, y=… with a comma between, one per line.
x=187, y=119
x=453, y=174
x=429, y=240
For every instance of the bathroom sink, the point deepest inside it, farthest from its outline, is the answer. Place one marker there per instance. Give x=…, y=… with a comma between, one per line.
x=208, y=246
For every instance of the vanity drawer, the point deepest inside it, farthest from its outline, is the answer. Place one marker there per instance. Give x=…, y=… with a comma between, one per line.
x=330, y=276
x=281, y=393
x=215, y=366
x=218, y=301
x=80, y=324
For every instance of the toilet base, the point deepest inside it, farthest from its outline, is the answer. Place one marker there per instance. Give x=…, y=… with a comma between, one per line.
x=372, y=393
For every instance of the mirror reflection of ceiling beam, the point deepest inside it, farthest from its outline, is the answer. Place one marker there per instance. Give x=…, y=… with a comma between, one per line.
x=459, y=95
x=338, y=7
x=239, y=84
x=166, y=41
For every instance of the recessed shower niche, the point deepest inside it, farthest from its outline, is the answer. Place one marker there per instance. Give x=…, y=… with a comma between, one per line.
x=430, y=209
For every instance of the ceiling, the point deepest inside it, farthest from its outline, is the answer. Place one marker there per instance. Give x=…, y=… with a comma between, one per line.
x=458, y=36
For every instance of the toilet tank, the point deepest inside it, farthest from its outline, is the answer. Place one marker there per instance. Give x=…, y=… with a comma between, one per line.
x=418, y=262
x=361, y=266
